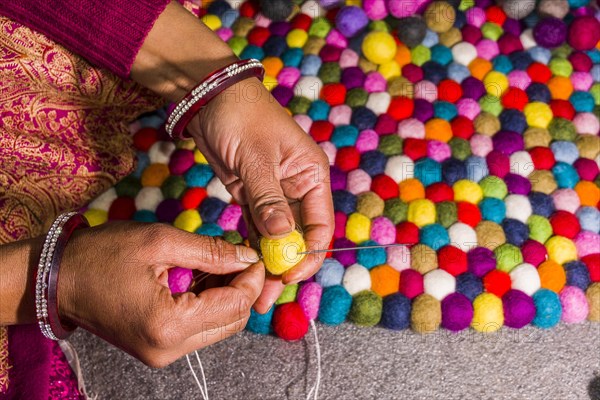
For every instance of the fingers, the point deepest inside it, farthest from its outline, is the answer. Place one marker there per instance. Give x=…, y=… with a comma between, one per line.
x=271, y=291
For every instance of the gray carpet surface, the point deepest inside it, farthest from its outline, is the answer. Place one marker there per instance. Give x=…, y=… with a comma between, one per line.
x=366, y=363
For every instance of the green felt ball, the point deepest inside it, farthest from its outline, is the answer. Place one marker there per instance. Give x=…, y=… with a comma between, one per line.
x=563, y=51
x=299, y=105
x=370, y=205
x=237, y=44
x=357, y=97
x=330, y=73
x=288, y=295
x=233, y=237
x=319, y=28
x=366, y=308
x=492, y=186
x=380, y=26
x=447, y=213
x=466, y=4
x=508, y=256
x=420, y=55
x=461, y=148
x=492, y=31
x=561, y=67
x=491, y=104
x=390, y=145
x=173, y=187
x=539, y=228
x=128, y=187
x=395, y=210
x=595, y=92
x=562, y=129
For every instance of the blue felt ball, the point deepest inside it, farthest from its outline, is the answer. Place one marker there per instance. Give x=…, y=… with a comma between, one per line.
x=434, y=72
x=548, y=309
x=344, y=135
x=538, y=92
x=330, y=274
x=319, y=111
x=218, y=8
x=344, y=201
x=351, y=20
x=229, y=18
x=260, y=323
x=396, y=312
x=310, y=65
x=154, y=120
x=502, y=64
x=275, y=46
x=595, y=72
x=458, y=72
x=373, y=162
x=460, y=20
x=582, y=101
x=428, y=171
x=520, y=60
x=594, y=54
x=469, y=285
x=355, y=43
x=577, y=275
x=453, y=170
x=430, y=40
x=541, y=204
x=434, y=236
x=335, y=305
x=441, y=54
x=370, y=258
x=444, y=110
x=513, y=120
x=211, y=208
x=540, y=54
x=566, y=152
x=144, y=216
x=292, y=57
x=210, y=229
x=492, y=209
x=252, y=51
x=199, y=175
x=142, y=163
x=516, y=232
x=531, y=20
x=565, y=175
x=477, y=168
x=363, y=118
x=589, y=219
x=578, y=3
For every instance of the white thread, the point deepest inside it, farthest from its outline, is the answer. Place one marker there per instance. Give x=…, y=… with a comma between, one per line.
x=73, y=360
x=203, y=376
x=315, y=387
x=203, y=390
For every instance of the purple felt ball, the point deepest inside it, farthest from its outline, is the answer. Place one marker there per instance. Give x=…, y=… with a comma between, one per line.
x=353, y=77
x=338, y=179
x=550, y=32
x=280, y=28
x=519, y=309
x=168, y=210
x=283, y=94
x=472, y=88
x=179, y=279
x=457, y=312
x=351, y=20
x=181, y=160
x=512, y=26
x=517, y=184
x=507, y=142
x=423, y=110
x=480, y=261
x=346, y=258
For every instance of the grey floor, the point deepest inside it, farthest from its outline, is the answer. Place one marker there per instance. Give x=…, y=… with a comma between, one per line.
x=373, y=363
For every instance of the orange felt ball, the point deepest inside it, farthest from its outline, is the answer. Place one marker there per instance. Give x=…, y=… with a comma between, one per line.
x=438, y=129
x=403, y=56
x=552, y=276
x=272, y=65
x=479, y=68
x=588, y=192
x=411, y=189
x=385, y=280
x=154, y=175
x=561, y=88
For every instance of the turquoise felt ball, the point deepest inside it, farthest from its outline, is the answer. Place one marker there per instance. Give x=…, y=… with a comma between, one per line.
x=260, y=323
x=344, y=135
x=548, y=309
x=319, y=110
x=565, y=175
x=335, y=305
x=444, y=110
x=428, y=171
x=370, y=258
x=492, y=209
x=434, y=236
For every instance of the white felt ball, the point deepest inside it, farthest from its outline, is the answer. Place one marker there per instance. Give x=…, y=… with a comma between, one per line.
x=566, y=200
x=313, y=9
x=160, y=152
x=356, y=279
x=379, y=102
x=518, y=9
x=216, y=189
x=463, y=53
x=330, y=151
x=521, y=163
x=518, y=207
x=235, y=4
x=400, y=168
x=426, y=90
x=358, y=181
x=340, y=115
x=525, y=278
x=104, y=201
x=527, y=39
x=309, y=87
x=411, y=128
x=148, y=198
x=304, y=121
x=398, y=257
x=439, y=284
x=462, y=236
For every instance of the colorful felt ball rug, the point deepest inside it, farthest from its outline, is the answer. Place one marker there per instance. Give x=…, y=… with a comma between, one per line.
x=465, y=130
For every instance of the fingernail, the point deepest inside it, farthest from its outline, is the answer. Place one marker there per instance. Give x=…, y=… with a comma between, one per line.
x=277, y=224
x=247, y=255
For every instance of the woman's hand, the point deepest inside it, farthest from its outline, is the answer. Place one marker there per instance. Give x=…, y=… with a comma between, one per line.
x=273, y=168
x=113, y=282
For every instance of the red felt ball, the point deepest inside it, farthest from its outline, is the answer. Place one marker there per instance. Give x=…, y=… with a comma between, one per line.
x=330, y=53
x=580, y=61
x=438, y=192
x=347, y=158
x=332, y=14
x=468, y=213
x=334, y=94
x=301, y=21
x=249, y=9
x=401, y=108
x=539, y=72
x=509, y=43
x=462, y=127
x=592, y=261
x=386, y=124
x=496, y=15
x=584, y=33
x=321, y=131
x=407, y=233
x=415, y=148
x=385, y=187
x=193, y=197
x=452, y=260
x=290, y=322
x=145, y=138
x=542, y=157
x=122, y=208
x=497, y=282
x=411, y=283
x=449, y=90
x=565, y=224
x=562, y=109
x=258, y=36
x=515, y=98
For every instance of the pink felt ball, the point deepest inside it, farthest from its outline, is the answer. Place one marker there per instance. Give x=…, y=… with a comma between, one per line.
x=181, y=160
x=230, y=217
x=403, y=8
x=534, y=252
x=476, y=17
x=288, y=76
x=348, y=59
x=375, y=82
x=586, y=169
x=375, y=9
x=438, y=151
x=398, y=257
x=367, y=140
x=179, y=279
x=566, y=199
x=586, y=124
x=225, y=33
x=582, y=81
x=487, y=49
x=309, y=298
x=498, y=163
x=587, y=243
x=574, y=304
x=519, y=79
x=411, y=128
x=304, y=121
x=383, y=231
x=340, y=225
x=337, y=39
x=584, y=33
x=481, y=145
x=468, y=108
x=411, y=283
x=358, y=181
x=330, y=151
x=340, y=115
x=426, y=90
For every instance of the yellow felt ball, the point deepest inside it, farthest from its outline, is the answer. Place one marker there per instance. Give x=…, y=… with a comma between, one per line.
x=488, y=313
x=421, y=212
x=358, y=228
x=538, y=115
x=280, y=255
x=96, y=217
x=379, y=47
x=466, y=190
x=199, y=157
x=495, y=83
x=212, y=21
x=297, y=38
x=270, y=82
x=561, y=249
x=389, y=70
x=186, y=144
x=188, y=220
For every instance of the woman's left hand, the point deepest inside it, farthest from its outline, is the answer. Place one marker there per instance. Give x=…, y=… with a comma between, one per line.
x=272, y=168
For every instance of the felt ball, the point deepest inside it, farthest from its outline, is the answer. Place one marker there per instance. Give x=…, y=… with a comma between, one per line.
x=426, y=315
x=588, y=192
x=586, y=123
x=290, y=322
x=534, y=252
x=464, y=53
x=577, y=274
x=565, y=224
x=440, y=16
x=379, y=47
x=488, y=313
x=553, y=8
x=574, y=305
x=288, y=294
x=383, y=231
x=587, y=243
x=508, y=256
x=548, y=309
x=495, y=83
x=104, y=200
x=538, y=114
x=330, y=274
x=518, y=207
x=351, y=20
x=366, y=310
x=143, y=216
x=550, y=32
x=280, y=255
x=525, y=278
x=497, y=282
x=398, y=257
x=481, y=145
x=589, y=219
x=519, y=309
x=148, y=198
x=347, y=159
x=447, y=213
x=552, y=276
x=411, y=283
x=356, y=279
x=439, y=284
x=179, y=279
x=412, y=30
x=309, y=298
x=439, y=192
x=95, y=217
x=371, y=257
x=457, y=312
x=396, y=312
x=385, y=280
x=465, y=190
x=516, y=232
x=492, y=209
x=335, y=305
x=260, y=323
x=421, y=212
x=490, y=235
x=469, y=285
x=462, y=236
x=561, y=249
x=584, y=33
x=494, y=187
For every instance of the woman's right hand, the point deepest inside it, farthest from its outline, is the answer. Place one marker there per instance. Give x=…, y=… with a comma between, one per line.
x=113, y=282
